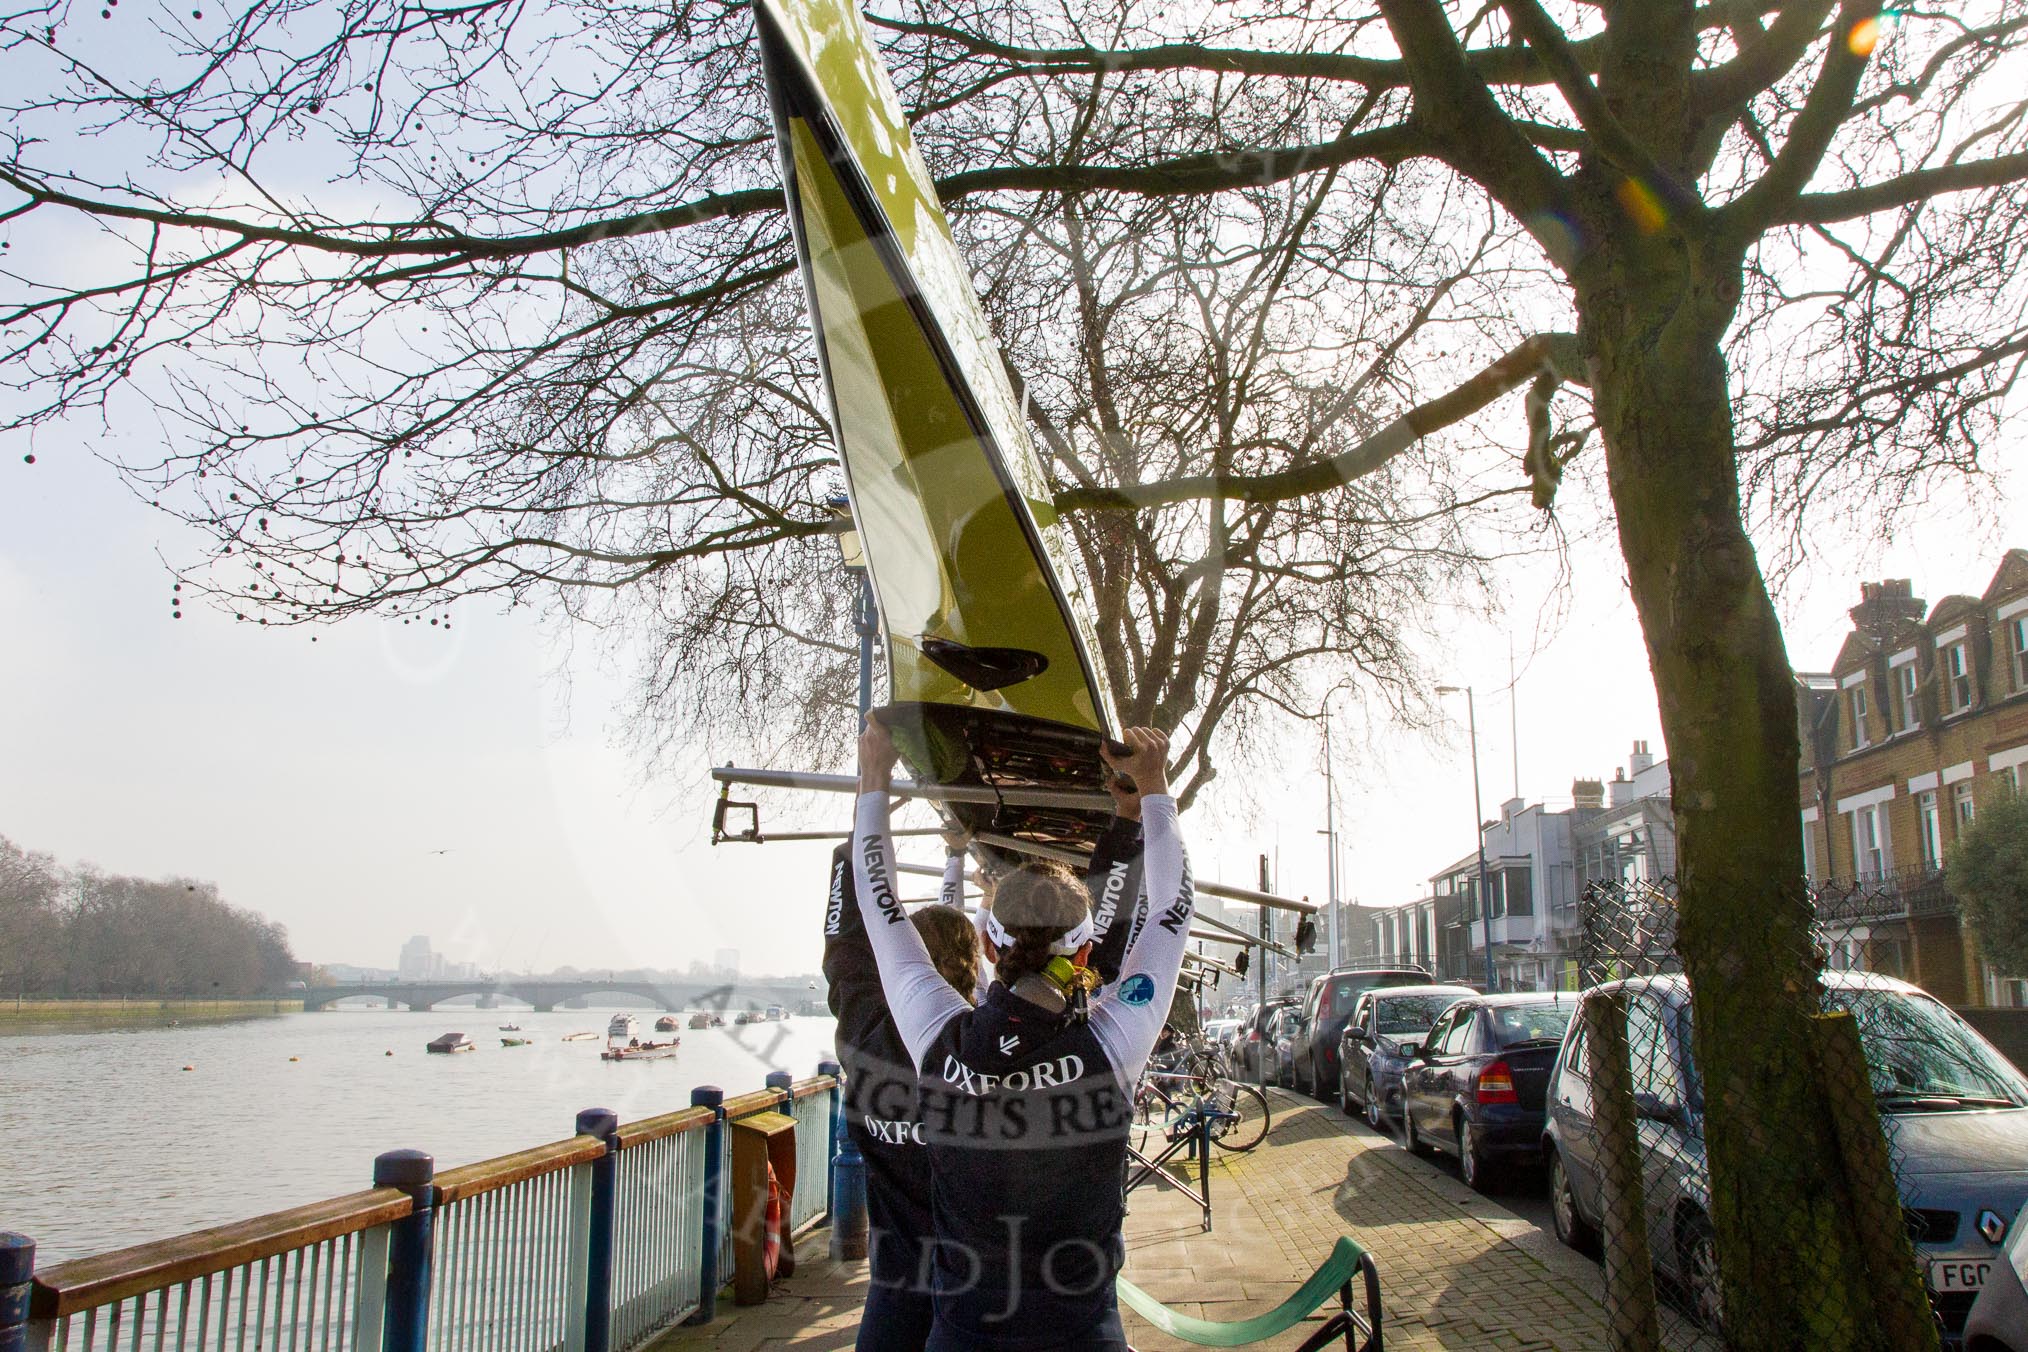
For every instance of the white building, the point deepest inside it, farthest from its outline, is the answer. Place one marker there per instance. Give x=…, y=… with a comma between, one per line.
x=419, y=962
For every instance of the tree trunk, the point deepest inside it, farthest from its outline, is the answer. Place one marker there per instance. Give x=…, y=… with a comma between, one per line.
x=1654, y=319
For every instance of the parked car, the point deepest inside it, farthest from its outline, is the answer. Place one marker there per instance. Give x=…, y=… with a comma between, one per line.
x=1386, y=1025
x=1220, y=1033
x=1326, y=1007
x=1477, y=1086
x=1954, y=1111
x=1281, y=1041
x=1247, y=1059
x=1999, y=1318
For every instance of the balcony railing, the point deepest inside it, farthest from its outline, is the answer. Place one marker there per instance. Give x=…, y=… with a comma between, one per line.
x=1911, y=892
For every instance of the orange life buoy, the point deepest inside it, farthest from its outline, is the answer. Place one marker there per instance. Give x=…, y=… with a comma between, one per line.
x=771, y=1239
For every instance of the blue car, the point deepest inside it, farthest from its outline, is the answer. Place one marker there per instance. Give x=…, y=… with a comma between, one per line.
x=1477, y=1086
x=1955, y=1114
x=1386, y=1026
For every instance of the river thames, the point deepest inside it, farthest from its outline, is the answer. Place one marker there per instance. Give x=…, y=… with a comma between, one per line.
x=106, y=1139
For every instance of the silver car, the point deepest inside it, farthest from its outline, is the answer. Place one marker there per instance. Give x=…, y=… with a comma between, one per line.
x=1954, y=1111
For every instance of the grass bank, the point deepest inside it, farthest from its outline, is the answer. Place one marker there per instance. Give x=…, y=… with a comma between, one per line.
x=134, y=1009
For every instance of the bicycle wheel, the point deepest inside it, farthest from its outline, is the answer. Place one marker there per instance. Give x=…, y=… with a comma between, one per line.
x=1248, y=1125
x=1149, y=1126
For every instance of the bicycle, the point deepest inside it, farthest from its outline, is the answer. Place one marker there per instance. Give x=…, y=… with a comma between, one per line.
x=1166, y=1101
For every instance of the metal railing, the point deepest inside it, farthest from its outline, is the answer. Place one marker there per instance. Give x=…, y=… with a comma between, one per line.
x=590, y=1244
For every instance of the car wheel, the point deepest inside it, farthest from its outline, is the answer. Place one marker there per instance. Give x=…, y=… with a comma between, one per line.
x=1570, y=1224
x=1376, y=1118
x=1697, y=1252
x=1344, y=1094
x=1480, y=1175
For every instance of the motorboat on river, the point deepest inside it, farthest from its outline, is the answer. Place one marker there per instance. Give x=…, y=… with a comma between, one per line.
x=451, y=1042
x=583, y=1035
x=700, y=1020
x=515, y=1041
x=624, y=1027
x=642, y=1051
x=667, y=1024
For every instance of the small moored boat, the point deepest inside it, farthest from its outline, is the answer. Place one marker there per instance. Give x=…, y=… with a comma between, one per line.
x=515, y=1041
x=642, y=1051
x=586, y=1035
x=667, y=1024
x=451, y=1042
x=510, y=1027
x=700, y=1020
x=624, y=1027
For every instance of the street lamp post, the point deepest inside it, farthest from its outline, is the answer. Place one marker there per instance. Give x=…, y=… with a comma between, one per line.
x=1478, y=826
x=1330, y=834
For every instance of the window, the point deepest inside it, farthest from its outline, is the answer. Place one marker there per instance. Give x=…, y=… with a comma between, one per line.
x=1961, y=799
x=2017, y=630
x=1810, y=870
x=1399, y=1015
x=1931, y=828
x=1459, y=1036
x=1520, y=890
x=1869, y=855
x=1957, y=677
x=1516, y=1024
x=1904, y=686
x=1859, y=734
x=1649, y=1054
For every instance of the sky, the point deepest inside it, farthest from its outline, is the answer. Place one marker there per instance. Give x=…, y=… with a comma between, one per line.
x=384, y=781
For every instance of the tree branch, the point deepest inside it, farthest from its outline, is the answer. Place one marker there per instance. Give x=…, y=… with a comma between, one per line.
x=1473, y=133
x=1810, y=135
x=1556, y=352
x=1612, y=140
x=1903, y=190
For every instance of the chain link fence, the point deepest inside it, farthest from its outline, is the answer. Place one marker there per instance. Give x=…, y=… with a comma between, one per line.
x=1631, y=1179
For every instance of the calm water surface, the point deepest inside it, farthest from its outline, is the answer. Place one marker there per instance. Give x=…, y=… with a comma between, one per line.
x=106, y=1140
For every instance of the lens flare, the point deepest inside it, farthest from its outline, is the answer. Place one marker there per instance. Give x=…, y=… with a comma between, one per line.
x=1643, y=208
x=1864, y=35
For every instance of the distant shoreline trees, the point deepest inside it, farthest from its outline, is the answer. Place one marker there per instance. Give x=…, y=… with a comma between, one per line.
x=75, y=931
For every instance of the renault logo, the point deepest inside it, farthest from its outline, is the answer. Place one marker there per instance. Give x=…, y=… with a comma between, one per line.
x=1992, y=1226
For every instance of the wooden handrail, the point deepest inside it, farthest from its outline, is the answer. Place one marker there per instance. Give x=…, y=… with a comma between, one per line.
x=85, y=1283
x=816, y=1084
x=470, y=1180
x=649, y=1129
x=759, y=1101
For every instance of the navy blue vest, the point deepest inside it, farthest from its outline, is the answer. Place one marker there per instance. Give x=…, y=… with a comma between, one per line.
x=1027, y=1130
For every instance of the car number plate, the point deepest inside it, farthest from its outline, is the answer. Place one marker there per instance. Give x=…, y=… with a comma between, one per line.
x=1958, y=1274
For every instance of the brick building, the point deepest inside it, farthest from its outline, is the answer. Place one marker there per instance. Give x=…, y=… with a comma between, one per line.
x=1922, y=718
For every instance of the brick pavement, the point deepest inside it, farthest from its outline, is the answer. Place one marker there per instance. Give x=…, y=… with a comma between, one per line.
x=1458, y=1272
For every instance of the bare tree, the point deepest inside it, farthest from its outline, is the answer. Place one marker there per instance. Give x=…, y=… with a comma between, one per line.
x=1784, y=235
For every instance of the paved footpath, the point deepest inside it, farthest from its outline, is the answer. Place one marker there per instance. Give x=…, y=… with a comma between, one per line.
x=1458, y=1272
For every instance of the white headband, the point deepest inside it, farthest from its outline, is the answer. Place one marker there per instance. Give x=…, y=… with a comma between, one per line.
x=1067, y=943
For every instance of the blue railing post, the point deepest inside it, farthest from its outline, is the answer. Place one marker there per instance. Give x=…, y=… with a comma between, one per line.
x=17, y=1269
x=848, y=1180
x=780, y=1079
x=712, y=1097
x=409, y=1248
x=603, y=1123
x=836, y=1101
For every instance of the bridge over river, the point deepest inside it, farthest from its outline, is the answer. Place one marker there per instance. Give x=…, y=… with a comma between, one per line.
x=546, y=994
